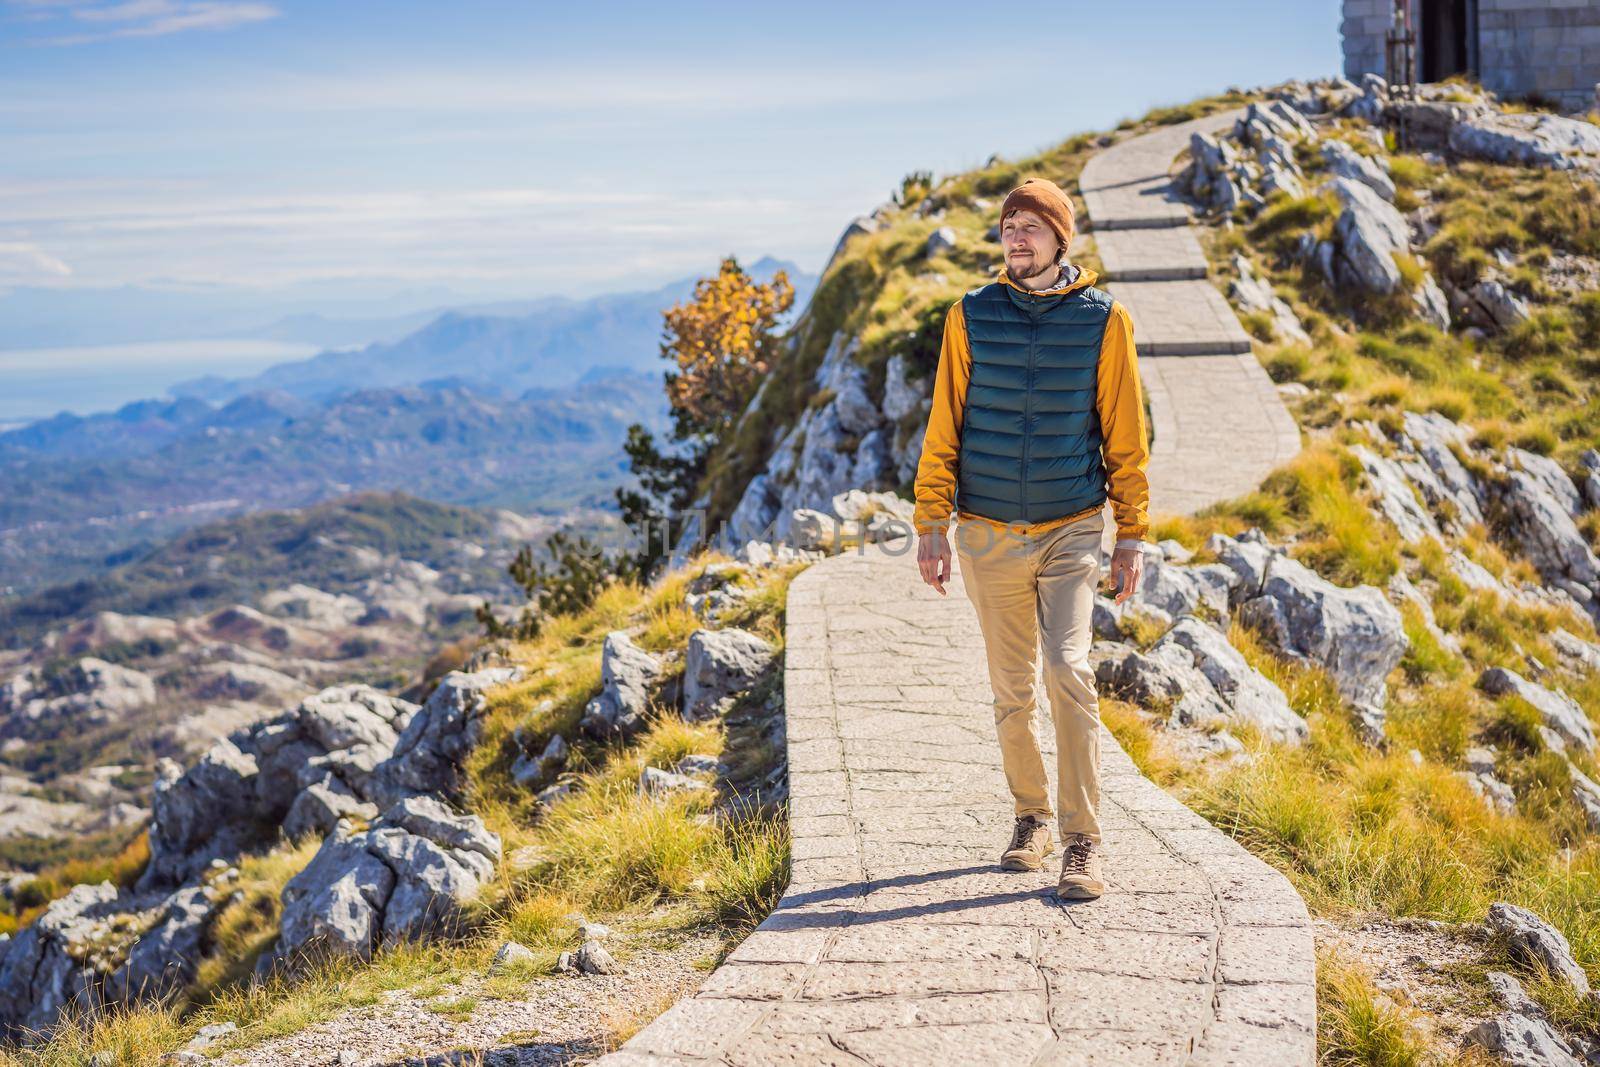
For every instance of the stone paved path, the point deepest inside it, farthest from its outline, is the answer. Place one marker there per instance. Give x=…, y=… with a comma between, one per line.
x=899, y=942
x=1219, y=424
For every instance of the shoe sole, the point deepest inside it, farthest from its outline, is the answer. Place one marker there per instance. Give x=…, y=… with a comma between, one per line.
x=1019, y=864
x=1077, y=892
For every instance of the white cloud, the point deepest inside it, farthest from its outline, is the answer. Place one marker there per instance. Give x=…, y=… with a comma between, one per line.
x=143, y=18
x=24, y=262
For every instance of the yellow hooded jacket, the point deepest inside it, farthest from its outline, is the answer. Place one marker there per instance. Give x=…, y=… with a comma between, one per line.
x=1122, y=426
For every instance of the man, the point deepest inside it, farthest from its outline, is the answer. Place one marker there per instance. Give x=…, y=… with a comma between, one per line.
x=1036, y=421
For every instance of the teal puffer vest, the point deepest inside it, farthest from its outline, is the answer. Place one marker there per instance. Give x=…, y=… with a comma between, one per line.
x=1030, y=434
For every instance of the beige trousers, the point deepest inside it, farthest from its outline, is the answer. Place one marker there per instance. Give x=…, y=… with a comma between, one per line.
x=1032, y=591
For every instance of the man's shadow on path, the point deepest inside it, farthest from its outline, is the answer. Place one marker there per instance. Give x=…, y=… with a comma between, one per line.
x=790, y=918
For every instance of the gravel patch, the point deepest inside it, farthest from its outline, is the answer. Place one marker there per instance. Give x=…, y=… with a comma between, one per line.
x=562, y=1019
x=1428, y=966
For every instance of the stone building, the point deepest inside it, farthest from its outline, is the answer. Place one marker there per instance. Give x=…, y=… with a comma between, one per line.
x=1514, y=47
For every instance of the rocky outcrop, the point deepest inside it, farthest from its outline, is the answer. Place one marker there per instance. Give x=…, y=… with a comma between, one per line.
x=244, y=788
x=1560, y=712
x=719, y=665
x=627, y=674
x=1345, y=162
x=404, y=878
x=1252, y=294
x=94, y=947
x=87, y=692
x=346, y=751
x=1529, y=139
x=1396, y=499
x=1523, y=1041
x=1534, y=942
x=1354, y=633
x=1199, y=679
x=1480, y=778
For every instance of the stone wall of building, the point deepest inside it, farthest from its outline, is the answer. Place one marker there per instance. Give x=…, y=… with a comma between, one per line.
x=1550, y=47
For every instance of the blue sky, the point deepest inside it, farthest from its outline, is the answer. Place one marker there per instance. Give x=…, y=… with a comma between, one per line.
x=519, y=149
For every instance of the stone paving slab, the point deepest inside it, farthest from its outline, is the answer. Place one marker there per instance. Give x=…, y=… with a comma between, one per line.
x=1155, y=255
x=899, y=940
x=1181, y=318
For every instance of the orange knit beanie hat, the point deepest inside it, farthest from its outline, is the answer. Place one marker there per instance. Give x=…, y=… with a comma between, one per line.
x=1045, y=198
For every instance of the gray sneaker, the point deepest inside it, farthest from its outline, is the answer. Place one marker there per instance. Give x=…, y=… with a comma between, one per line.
x=1030, y=844
x=1082, y=874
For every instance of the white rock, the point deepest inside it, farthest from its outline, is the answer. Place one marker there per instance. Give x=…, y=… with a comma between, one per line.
x=941, y=240
x=719, y=665
x=1535, y=942
x=1560, y=712
x=509, y=955
x=1345, y=162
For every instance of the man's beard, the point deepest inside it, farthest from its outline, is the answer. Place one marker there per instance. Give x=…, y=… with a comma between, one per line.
x=1030, y=268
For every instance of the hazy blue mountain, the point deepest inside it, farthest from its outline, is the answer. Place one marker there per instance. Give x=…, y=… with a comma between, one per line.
x=546, y=343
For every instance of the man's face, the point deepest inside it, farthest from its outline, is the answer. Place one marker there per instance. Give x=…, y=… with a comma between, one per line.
x=1030, y=245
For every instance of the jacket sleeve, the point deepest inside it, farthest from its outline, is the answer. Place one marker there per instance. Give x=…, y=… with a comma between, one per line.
x=941, y=443
x=1120, y=402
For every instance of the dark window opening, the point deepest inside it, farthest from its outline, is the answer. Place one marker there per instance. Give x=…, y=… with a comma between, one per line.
x=1448, y=36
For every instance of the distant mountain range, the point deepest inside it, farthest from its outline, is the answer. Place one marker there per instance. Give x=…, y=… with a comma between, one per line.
x=78, y=494
x=547, y=343
x=526, y=408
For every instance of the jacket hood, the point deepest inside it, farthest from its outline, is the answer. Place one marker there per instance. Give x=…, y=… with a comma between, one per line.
x=1086, y=277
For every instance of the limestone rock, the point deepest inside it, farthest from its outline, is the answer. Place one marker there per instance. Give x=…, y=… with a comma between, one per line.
x=1529, y=139
x=535, y=772
x=1536, y=943
x=1499, y=306
x=1582, y=654
x=511, y=955
x=1522, y=1041
x=1247, y=557
x=1353, y=632
x=627, y=673
x=812, y=531
x=1251, y=697
x=1586, y=794
x=39, y=975
x=1549, y=474
x=1370, y=233
x=857, y=505
x=1254, y=294
x=1441, y=477
x=1345, y=162
x=88, y=691
x=404, y=879
x=939, y=241
x=592, y=958
x=719, y=665
x=1176, y=590
x=901, y=398
x=655, y=782
x=1560, y=712
x=1174, y=551
x=429, y=753
x=1395, y=497
x=1480, y=778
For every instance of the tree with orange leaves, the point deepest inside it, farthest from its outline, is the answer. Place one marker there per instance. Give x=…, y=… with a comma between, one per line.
x=721, y=342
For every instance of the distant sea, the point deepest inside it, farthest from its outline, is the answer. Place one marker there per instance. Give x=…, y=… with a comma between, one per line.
x=38, y=382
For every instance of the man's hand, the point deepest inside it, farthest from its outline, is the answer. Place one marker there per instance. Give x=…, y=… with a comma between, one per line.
x=1127, y=567
x=933, y=559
